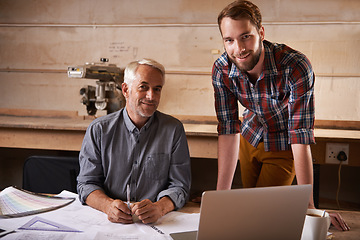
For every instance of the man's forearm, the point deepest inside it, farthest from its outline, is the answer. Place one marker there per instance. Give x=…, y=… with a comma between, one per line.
x=303, y=166
x=99, y=200
x=228, y=155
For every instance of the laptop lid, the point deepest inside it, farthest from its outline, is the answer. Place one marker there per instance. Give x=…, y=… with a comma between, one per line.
x=252, y=213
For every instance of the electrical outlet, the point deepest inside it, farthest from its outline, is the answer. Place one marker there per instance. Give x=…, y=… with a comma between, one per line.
x=332, y=151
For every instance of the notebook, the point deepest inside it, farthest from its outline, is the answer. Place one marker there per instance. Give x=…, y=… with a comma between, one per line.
x=251, y=213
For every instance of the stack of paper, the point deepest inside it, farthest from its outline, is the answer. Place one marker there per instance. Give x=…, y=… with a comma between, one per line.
x=16, y=202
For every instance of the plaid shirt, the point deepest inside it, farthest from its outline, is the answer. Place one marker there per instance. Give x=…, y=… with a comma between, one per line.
x=279, y=107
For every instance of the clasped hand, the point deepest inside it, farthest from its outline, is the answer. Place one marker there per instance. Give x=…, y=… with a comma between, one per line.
x=146, y=211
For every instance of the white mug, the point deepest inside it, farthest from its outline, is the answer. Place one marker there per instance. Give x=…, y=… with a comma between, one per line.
x=316, y=225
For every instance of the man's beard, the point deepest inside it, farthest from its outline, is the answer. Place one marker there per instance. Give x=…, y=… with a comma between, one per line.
x=248, y=66
x=142, y=111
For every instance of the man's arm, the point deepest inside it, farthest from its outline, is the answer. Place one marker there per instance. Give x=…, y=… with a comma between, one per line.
x=117, y=210
x=303, y=166
x=228, y=155
x=149, y=212
x=179, y=173
x=304, y=175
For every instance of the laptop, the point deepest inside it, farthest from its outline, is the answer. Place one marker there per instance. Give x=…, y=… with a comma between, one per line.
x=251, y=213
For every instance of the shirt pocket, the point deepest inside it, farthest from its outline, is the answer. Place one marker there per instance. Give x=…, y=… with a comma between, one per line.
x=278, y=101
x=157, y=166
x=281, y=96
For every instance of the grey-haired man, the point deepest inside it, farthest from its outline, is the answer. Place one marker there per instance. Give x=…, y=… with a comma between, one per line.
x=136, y=148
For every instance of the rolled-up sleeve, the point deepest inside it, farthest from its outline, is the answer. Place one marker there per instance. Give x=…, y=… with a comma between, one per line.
x=301, y=104
x=226, y=105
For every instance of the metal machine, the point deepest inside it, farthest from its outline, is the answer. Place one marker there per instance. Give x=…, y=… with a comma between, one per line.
x=106, y=95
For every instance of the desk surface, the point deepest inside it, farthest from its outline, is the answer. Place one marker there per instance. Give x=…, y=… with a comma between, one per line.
x=352, y=218
x=88, y=223
x=93, y=222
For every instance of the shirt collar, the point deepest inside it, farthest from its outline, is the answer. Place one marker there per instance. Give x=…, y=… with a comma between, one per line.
x=269, y=60
x=131, y=126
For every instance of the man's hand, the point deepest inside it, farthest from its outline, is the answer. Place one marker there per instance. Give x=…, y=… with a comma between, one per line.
x=149, y=212
x=146, y=211
x=338, y=222
x=118, y=212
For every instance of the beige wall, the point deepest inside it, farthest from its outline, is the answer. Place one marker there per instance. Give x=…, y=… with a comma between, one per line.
x=40, y=39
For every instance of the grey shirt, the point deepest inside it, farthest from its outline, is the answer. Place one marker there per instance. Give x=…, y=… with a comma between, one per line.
x=154, y=161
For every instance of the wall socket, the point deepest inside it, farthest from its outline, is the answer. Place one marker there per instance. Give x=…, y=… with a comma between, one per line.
x=332, y=151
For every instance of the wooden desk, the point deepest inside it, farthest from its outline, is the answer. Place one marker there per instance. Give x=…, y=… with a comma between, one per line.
x=67, y=134
x=352, y=218
x=54, y=133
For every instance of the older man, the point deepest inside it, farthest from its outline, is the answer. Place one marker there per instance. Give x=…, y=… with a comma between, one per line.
x=137, y=151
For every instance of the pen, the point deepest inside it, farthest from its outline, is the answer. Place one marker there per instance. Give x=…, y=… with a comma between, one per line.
x=323, y=215
x=128, y=196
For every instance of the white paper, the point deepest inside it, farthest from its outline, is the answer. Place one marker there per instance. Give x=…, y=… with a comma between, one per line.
x=112, y=236
x=178, y=222
x=95, y=225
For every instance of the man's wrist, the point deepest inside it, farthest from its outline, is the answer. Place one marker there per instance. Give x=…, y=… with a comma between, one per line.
x=165, y=205
x=100, y=201
x=107, y=206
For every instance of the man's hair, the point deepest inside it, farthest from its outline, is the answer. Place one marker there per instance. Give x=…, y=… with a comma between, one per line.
x=241, y=9
x=131, y=68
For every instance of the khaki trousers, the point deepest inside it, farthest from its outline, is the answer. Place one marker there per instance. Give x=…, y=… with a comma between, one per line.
x=263, y=169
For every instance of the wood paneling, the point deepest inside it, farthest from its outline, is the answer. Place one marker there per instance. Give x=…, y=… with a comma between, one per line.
x=40, y=39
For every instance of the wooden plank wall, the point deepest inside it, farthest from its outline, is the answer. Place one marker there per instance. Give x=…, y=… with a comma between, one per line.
x=39, y=39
